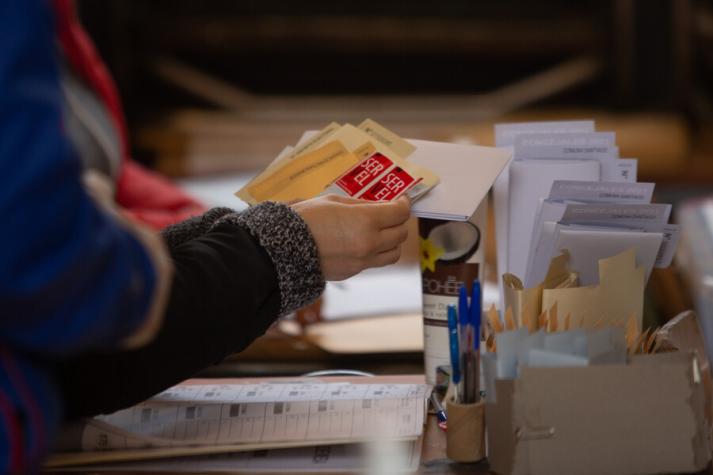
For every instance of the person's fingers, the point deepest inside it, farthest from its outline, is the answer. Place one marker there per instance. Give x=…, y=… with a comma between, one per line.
x=392, y=213
x=391, y=237
x=385, y=258
x=347, y=200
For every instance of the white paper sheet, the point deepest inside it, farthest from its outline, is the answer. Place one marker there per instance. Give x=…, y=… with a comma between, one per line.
x=530, y=181
x=505, y=137
x=467, y=172
x=587, y=246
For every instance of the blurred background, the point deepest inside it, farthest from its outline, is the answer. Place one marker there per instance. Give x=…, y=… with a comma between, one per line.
x=214, y=90
x=252, y=75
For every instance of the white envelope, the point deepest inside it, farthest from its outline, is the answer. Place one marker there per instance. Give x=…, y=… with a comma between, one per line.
x=467, y=172
x=541, y=252
x=548, y=211
x=505, y=137
x=587, y=246
x=530, y=181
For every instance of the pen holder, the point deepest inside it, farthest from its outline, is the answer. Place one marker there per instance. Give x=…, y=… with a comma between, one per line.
x=465, y=437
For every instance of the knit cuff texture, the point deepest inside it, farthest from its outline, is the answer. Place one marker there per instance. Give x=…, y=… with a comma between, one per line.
x=288, y=241
x=191, y=228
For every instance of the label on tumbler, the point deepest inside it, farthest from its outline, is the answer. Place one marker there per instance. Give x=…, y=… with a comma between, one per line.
x=452, y=254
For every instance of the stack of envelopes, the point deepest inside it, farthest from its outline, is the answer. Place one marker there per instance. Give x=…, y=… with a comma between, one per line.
x=566, y=189
x=372, y=163
x=366, y=162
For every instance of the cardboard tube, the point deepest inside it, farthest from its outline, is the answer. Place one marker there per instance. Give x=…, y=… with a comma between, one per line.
x=465, y=437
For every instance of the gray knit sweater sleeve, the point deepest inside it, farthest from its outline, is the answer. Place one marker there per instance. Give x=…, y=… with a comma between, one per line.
x=191, y=228
x=291, y=246
x=284, y=236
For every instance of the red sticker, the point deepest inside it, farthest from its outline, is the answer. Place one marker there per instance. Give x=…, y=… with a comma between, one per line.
x=390, y=186
x=362, y=174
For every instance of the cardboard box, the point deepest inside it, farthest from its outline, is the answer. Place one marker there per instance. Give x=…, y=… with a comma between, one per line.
x=644, y=417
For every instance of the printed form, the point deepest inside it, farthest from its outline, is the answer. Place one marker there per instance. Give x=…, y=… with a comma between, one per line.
x=264, y=413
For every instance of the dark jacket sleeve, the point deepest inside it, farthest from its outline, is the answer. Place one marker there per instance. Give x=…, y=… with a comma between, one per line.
x=230, y=284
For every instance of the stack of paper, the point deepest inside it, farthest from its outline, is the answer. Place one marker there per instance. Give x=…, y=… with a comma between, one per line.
x=372, y=163
x=567, y=189
x=366, y=162
x=595, y=220
x=197, y=419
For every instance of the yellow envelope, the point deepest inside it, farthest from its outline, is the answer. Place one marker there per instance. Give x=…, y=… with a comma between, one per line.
x=301, y=178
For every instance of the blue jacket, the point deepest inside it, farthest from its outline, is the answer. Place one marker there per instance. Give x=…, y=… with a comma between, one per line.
x=70, y=277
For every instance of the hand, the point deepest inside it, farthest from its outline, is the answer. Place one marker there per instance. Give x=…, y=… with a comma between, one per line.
x=353, y=235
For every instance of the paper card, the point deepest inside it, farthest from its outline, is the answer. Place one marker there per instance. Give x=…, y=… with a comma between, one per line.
x=528, y=301
x=352, y=138
x=521, y=300
x=553, y=211
x=548, y=211
x=358, y=179
x=606, y=214
x=505, y=137
x=396, y=182
x=383, y=135
x=280, y=156
x=531, y=180
x=466, y=173
x=619, y=295
x=622, y=170
x=505, y=133
x=301, y=178
x=349, y=136
x=563, y=140
x=381, y=178
x=671, y=235
x=586, y=246
x=602, y=192
x=542, y=253
x=315, y=141
x=594, y=145
x=288, y=153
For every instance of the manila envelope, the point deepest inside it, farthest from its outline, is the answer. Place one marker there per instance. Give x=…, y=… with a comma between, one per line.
x=619, y=295
x=526, y=304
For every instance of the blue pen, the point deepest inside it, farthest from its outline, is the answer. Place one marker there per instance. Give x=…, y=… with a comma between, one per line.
x=462, y=307
x=453, y=339
x=476, y=308
x=464, y=347
x=462, y=320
